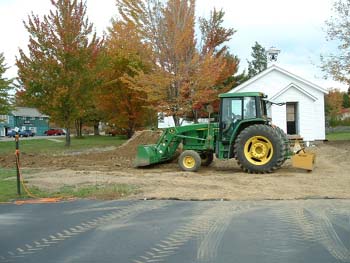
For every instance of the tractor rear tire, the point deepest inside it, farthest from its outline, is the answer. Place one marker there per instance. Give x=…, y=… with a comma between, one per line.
x=259, y=149
x=206, y=158
x=189, y=161
x=285, y=140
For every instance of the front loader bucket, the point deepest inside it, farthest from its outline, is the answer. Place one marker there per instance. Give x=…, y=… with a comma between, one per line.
x=304, y=160
x=146, y=155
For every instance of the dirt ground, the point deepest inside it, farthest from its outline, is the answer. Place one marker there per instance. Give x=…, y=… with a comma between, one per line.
x=222, y=180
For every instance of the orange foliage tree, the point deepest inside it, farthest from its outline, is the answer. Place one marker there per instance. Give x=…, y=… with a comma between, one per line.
x=59, y=72
x=333, y=103
x=183, y=75
x=124, y=54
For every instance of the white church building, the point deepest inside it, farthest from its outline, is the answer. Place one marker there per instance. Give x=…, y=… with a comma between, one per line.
x=302, y=112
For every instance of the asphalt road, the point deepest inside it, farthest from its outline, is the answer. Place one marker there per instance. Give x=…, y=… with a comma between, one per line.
x=176, y=231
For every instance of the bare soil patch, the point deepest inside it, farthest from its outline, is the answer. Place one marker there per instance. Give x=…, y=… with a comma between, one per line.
x=222, y=180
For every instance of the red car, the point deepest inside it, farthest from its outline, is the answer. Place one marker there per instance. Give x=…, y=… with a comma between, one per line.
x=52, y=132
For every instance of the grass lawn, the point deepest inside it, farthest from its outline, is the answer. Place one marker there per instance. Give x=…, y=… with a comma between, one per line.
x=55, y=145
x=101, y=192
x=337, y=136
x=8, y=186
x=8, y=190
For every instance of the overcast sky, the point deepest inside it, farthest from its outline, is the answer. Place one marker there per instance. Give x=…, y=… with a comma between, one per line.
x=295, y=27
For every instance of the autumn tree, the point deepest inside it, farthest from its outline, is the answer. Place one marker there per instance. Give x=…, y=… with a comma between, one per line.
x=217, y=65
x=333, y=104
x=59, y=71
x=5, y=87
x=19, y=100
x=259, y=61
x=182, y=76
x=337, y=65
x=213, y=35
x=124, y=55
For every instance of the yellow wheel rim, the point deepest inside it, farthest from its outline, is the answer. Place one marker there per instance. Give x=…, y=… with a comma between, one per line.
x=189, y=162
x=258, y=150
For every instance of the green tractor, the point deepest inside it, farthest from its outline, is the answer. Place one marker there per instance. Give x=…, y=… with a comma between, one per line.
x=243, y=132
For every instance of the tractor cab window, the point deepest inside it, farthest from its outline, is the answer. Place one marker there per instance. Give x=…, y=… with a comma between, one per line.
x=249, y=108
x=231, y=114
x=236, y=109
x=231, y=109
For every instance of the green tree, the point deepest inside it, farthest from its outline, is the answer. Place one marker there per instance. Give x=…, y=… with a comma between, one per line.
x=59, y=72
x=236, y=80
x=337, y=64
x=346, y=100
x=5, y=87
x=259, y=61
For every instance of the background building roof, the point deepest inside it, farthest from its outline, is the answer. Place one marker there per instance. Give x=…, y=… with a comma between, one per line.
x=27, y=112
x=274, y=67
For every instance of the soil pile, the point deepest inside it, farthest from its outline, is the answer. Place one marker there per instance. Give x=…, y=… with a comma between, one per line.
x=124, y=155
x=129, y=149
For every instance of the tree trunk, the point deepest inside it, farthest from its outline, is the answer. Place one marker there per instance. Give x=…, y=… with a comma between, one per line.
x=176, y=120
x=67, y=137
x=195, y=116
x=78, y=127
x=96, y=130
x=129, y=132
x=131, y=128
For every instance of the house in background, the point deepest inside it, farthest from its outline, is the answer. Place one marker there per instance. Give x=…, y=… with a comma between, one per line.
x=4, y=124
x=344, y=114
x=25, y=119
x=168, y=121
x=303, y=112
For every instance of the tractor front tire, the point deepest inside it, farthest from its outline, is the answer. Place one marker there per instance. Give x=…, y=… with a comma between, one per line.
x=206, y=158
x=259, y=149
x=190, y=161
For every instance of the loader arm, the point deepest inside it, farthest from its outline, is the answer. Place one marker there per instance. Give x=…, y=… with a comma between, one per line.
x=198, y=137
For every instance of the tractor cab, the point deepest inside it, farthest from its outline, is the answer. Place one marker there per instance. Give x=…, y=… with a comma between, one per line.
x=237, y=111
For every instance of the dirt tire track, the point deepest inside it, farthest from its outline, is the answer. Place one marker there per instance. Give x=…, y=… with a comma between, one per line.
x=209, y=223
x=317, y=227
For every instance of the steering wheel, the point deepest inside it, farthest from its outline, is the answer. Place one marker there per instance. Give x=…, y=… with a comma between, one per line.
x=230, y=120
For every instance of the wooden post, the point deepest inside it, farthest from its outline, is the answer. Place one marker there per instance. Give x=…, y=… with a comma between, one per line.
x=17, y=165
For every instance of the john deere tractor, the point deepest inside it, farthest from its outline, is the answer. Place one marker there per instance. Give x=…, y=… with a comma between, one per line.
x=243, y=132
